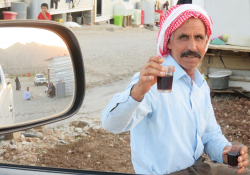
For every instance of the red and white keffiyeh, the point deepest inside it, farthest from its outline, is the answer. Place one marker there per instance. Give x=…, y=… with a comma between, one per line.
x=174, y=18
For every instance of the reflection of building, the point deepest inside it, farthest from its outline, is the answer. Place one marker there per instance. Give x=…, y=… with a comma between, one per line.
x=87, y=11
x=58, y=9
x=60, y=73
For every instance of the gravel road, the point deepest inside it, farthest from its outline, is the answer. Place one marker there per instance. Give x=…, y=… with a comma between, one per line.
x=110, y=56
x=40, y=106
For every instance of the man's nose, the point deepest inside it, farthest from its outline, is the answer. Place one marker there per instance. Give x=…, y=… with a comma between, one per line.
x=192, y=45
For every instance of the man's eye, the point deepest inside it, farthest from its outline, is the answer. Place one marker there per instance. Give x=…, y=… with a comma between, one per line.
x=183, y=37
x=199, y=37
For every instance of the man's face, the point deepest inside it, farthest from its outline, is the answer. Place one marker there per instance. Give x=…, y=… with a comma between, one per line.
x=189, y=43
x=28, y=89
x=44, y=9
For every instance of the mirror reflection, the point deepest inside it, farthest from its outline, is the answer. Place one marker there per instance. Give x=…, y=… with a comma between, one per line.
x=36, y=75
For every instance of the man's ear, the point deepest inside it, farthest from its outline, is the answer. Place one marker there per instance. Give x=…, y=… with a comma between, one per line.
x=207, y=40
x=169, y=44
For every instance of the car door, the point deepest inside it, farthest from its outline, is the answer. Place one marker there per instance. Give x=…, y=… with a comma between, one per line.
x=74, y=88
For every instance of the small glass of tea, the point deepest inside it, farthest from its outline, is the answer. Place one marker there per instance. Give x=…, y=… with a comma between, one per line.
x=233, y=154
x=164, y=84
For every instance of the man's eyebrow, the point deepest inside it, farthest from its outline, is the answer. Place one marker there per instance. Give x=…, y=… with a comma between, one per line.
x=200, y=35
x=182, y=34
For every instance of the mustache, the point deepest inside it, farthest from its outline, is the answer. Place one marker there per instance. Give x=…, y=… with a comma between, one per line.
x=190, y=53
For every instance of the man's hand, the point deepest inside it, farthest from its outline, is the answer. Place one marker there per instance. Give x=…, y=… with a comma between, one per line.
x=148, y=77
x=242, y=158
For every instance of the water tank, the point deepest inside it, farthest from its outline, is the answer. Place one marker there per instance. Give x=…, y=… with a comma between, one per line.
x=34, y=7
x=60, y=90
x=149, y=12
x=123, y=9
x=136, y=17
x=20, y=8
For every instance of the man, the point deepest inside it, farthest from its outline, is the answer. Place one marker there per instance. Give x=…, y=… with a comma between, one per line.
x=170, y=131
x=27, y=95
x=52, y=90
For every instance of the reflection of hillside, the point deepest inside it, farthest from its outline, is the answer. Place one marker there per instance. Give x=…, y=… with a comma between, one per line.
x=20, y=58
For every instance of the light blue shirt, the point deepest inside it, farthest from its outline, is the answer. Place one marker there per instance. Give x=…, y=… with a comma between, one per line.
x=27, y=95
x=169, y=131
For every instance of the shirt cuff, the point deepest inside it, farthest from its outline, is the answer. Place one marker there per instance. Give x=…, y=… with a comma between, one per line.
x=131, y=104
x=132, y=97
x=220, y=152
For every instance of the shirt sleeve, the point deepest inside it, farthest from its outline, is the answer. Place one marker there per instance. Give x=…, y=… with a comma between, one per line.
x=39, y=16
x=123, y=112
x=213, y=139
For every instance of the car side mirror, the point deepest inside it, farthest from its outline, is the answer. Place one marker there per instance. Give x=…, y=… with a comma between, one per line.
x=50, y=51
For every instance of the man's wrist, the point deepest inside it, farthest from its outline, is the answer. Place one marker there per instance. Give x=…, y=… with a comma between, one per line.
x=134, y=93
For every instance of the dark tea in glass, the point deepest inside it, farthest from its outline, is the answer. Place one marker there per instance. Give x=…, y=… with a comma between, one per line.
x=233, y=154
x=164, y=84
x=232, y=158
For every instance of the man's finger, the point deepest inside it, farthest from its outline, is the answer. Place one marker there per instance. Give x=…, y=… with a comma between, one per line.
x=244, y=163
x=145, y=79
x=153, y=72
x=155, y=65
x=241, y=170
x=156, y=59
x=243, y=150
x=242, y=158
x=225, y=152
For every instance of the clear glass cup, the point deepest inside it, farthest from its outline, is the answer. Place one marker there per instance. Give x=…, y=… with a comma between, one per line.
x=233, y=154
x=164, y=84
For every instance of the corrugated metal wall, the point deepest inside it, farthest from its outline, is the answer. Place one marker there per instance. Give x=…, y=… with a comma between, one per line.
x=60, y=70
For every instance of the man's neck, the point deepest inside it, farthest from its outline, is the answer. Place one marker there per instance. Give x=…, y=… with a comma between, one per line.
x=190, y=73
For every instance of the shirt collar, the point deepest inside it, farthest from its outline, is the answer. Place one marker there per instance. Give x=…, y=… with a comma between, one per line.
x=179, y=72
x=198, y=79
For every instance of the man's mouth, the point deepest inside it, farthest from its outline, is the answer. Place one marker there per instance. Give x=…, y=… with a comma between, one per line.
x=191, y=56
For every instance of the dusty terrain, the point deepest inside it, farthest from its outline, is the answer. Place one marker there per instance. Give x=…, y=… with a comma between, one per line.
x=93, y=148
x=40, y=106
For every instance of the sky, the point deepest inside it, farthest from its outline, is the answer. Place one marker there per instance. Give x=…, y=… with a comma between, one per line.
x=10, y=36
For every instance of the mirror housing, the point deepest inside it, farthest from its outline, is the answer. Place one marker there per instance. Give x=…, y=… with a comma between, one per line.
x=77, y=63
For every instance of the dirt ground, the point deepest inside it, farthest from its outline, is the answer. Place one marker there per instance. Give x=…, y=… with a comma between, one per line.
x=40, y=106
x=111, y=152
x=101, y=151
x=104, y=151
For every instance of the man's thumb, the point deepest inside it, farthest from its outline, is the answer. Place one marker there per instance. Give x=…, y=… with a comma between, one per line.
x=225, y=152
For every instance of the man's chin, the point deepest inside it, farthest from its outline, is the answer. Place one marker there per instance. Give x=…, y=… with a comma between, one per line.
x=191, y=58
x=189, y=66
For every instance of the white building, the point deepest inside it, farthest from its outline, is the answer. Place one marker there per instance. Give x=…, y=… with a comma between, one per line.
x=60, y=71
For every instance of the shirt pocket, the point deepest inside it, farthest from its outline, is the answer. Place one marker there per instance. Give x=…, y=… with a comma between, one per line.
x=204, y=113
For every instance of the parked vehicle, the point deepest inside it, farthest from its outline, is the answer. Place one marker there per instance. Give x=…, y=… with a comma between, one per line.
x=6, y=100
x=40, y=79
